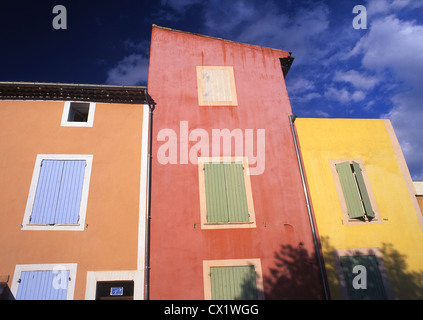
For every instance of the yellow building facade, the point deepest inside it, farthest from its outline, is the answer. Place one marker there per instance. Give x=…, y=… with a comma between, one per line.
x=388, y=236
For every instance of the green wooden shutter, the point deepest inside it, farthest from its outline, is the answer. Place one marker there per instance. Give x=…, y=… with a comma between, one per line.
x=363, y=190
x=236, y=194
x=216, y=199
x=349, y=189
x=226, y=197
x=233, y=283
x=375, y=289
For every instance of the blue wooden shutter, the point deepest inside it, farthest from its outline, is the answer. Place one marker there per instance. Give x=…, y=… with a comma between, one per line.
x=59, y=190
x=69, y=200
x=233, y=283
x=47, y=193
x=41, y=285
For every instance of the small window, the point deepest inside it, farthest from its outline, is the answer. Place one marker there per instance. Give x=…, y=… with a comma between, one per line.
x=44, y=282
x=353, y=187
x=58, y=193
x=216, y=86
x=78, y=111
x=225, y=193
x=236, y=279
x=78, y=114
x=362, y=274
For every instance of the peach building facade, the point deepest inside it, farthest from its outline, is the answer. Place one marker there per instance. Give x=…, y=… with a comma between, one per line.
x=73, y=181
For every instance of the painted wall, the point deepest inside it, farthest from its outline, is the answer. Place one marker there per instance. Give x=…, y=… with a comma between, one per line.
x=399, y=236
x=109, y=242
x=282, y=238
x=419, y=193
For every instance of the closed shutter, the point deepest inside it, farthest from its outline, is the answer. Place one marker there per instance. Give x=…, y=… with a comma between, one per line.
x=47, y=193
x=59, y=190
x=69, y=201
x=233, y=283
x=236, y=194
x=226, y=197
x=350, y=191
x=375, y=289
x=363, y=190
x=216, y=200
x=42, y=285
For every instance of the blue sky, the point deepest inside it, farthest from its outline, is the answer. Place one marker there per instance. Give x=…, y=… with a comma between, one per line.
x=338, y=72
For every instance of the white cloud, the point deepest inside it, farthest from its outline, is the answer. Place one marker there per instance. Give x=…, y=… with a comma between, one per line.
x=300, y=85
x=396, y=46
x=131, y=70
x=357, y=79
x=341, y=95
x=358, y=96
x=375, y=7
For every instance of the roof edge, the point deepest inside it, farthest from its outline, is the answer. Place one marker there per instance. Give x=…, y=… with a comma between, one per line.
x=73, y=92
x=217, y=38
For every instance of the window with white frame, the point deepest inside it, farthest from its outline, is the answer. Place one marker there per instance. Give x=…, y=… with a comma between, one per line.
x=44, y=281
x=58, y=193
x=78, y=114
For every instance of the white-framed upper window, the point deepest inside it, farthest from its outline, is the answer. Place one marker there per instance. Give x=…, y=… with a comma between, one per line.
x=58, y=193
x=78, y=114
x=44, y=281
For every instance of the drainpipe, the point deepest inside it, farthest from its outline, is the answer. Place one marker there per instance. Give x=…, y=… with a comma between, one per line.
x=151, y=106
x=310, y=215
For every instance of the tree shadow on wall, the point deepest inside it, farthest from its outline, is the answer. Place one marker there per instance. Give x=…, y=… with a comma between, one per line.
x=295, y=275
x=405, y=284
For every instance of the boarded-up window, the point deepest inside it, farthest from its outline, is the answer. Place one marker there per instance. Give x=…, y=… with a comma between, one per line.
x=233, y=283
x=58, y=194
x=226, y=197
x=216, y=86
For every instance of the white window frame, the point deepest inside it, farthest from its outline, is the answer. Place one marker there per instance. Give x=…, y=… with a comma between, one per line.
x=90, y=120
x=33, y=188
x=19, y=268
x=94, y=276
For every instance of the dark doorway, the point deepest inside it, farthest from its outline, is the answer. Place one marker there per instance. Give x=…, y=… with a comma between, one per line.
x=115, y=290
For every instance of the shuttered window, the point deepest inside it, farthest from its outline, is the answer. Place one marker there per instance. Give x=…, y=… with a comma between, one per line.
x=42, y=285
x=216, y=86
x=58, y=194
x=354, y=190
x=226, y=198
x=375, y=289
x=233, y=283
